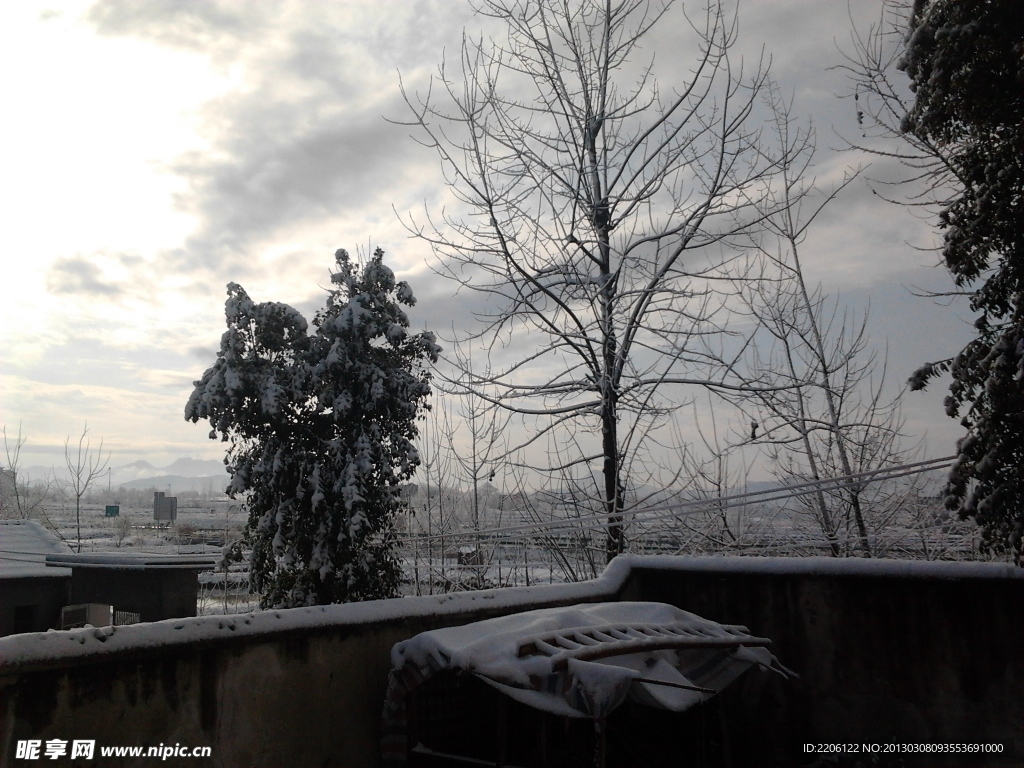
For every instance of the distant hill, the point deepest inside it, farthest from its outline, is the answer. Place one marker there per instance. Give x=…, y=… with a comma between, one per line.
x=136, y=466
x=180, y=475
x=141, y=474
x=36, y=474
x=189, y=467
x=179, y=484
x=133, y=471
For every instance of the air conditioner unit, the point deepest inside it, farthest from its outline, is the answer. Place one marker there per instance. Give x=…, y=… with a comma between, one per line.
x=96, y=614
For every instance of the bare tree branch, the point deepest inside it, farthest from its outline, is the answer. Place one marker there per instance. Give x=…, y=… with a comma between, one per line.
x=598, y=213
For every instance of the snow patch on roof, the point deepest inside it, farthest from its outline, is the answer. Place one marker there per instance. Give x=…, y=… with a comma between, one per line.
x=24, y=545
x=133, y=561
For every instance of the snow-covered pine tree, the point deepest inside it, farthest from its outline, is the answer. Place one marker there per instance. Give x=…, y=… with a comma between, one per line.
x=321, y=427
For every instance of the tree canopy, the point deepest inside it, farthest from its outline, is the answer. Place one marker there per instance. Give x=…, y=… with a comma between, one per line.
x=965, y=60
x=321, y=427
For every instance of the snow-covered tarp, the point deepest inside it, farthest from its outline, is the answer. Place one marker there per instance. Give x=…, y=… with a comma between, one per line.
x=581, y=661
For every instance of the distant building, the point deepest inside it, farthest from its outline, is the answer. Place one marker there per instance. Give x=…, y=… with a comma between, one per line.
x=165, y=508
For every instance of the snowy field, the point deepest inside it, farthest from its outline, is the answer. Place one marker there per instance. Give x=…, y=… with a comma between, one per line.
x=503, y=547
x=202, y=527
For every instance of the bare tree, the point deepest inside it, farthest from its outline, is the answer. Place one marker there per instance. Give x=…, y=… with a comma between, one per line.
x=487, y=432
x=122, y=529
x=17, y=498
x=477, y=464
x=595, y=207
x=434, y=521
x=828, y=415
x=85, y=466
x=464, y=448
x=714, y=475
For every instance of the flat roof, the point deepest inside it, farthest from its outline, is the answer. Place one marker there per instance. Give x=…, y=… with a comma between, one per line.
x=133, y=561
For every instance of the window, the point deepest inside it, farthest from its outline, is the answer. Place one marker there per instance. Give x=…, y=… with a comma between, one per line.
x=24, y=618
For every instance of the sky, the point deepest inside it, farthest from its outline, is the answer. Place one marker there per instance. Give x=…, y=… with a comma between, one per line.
x=155, y=150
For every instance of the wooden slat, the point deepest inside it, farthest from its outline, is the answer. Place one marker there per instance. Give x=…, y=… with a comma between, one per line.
x=587, y=643
x=645, y=646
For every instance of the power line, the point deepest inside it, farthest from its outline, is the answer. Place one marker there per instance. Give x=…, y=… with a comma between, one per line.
x=599, y=520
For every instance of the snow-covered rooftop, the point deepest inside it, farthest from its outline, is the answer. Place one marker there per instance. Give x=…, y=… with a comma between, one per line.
x=24, y=546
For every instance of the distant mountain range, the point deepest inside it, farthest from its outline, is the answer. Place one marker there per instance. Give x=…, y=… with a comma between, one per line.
x=184, y=474
x=184, y=467
x=210, y=476
x=210, y=484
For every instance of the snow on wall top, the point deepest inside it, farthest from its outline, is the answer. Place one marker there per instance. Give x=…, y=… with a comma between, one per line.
x=40, y=648
x=829, y=566
x=44, y=647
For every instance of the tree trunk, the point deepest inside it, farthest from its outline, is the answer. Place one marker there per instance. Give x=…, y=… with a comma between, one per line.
x=616, y=541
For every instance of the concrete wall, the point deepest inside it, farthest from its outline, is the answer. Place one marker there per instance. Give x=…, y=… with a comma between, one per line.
x=913, y=652
x=303, y=699
x=908, y=654
x=273, y=690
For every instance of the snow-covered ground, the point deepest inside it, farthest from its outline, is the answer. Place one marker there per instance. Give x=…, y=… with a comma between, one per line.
x=507, y=547
x=202, y=527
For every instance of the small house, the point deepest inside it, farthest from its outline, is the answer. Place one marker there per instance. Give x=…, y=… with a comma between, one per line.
x=44, y=585
x=31, y=595
x=146, y=587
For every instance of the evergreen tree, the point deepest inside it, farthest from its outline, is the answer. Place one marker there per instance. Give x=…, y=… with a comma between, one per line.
x=321, y=427
x=965, y=60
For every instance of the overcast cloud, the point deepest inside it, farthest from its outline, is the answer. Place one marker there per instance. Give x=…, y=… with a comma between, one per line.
x=232, y=141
